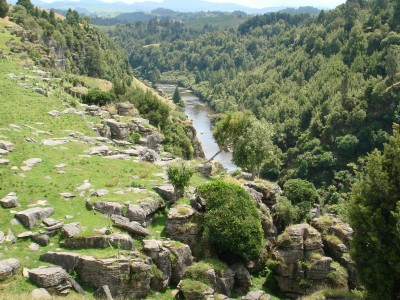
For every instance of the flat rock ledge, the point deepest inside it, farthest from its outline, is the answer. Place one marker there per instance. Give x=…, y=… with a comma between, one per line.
x=117, y=240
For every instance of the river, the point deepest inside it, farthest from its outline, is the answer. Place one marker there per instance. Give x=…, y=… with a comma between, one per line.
x=198, y=112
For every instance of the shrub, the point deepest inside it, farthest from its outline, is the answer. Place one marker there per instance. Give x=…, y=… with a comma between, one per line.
x=179, y=175
x=97, y=97
x=338, y=277
x=193, y=286
x=232, y=222
x=301, y=193
x=287, y=213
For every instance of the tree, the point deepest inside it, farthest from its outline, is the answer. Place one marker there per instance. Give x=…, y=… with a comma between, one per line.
x=27, y=4
x=3, y=8
x=232, y=221
x=97, y=97
x=302, y=194
x=374, y=214
x=179, y=175
x=253, y=147
x=176, y=97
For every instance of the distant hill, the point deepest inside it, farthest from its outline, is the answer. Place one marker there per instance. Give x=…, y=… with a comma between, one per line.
x=97, y=6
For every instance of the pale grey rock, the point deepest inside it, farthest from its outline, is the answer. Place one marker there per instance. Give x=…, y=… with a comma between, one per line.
x=54, y=113
x=132, y=227
x=10, y=200
x=67, y=195
x=8, y=268
x=24, y=235
x=85, y=186
x=67, y=260
x=122, y=241
x=6, y=145
x=257, y=295
x=40, y=294
x=34, y=247
x=100, y=193
x=32, y=216
x=60, y=166
x=99, y=150
x=4, y=162
x=70, y=230
x=10, y=238
x=119, y=130
x=54, y=279
x=56, y=141
x=32, y=162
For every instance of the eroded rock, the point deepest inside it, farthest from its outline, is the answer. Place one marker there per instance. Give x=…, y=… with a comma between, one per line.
x=34, y=216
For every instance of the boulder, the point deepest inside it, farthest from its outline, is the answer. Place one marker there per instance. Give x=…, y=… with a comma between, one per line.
x=99, y=150
x=125, y=278
x=8, y=268
x=100, y=193
x=121, y=241
x=167, y=191
x=10, y=200
x=143, y=211
x=125, y=109
x=269, y=192
x=242, y=276
x=132, y=227
x=4, y=162
x=154, y=140
x=6, y=145
x=67, y=195
x=161, y=258
x=54, y=279
x=205, y=170
x=70, y=230
x=41, y=239
x=182, y=255
x=32, y=162
x=67, y=260
x=119, y=131
x=181, y=225
x=34, y=216
x=10, y=237
x=107, y=208
x=40, y=294
x=195, y=290
x=257, y=295
x=150, y=156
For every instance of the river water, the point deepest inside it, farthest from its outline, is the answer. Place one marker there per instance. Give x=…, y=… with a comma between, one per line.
x=198, y=112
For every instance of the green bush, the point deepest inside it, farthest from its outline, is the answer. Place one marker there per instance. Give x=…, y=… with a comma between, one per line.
x=302, y=194
x=232, y=222
x=338, y=277
x=97, y=97
x=193, y=286
x=179, y=175
x=135, y=137
x=286, y=213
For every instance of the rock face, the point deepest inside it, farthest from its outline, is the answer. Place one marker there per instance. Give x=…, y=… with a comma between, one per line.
x=154, y=140
x=54, y=279
x=126, y=278
x=181, y=225
x=167, y=191
x=116, y=240
x=132, y=227
x=8, y=268
x=70, y=230
x=10, y=200
x=124, y=109
x=119, y=131
x=67, y=260
x=33, y=216
x=303, y=268
x=336, y=237
x=144, y=211
x=160, y=256
x=183, y=258
x=268, y=193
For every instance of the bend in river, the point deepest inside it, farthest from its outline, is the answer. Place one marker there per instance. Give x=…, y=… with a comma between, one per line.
x=198, y=112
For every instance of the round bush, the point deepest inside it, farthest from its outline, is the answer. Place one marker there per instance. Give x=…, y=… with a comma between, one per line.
x=232, y=221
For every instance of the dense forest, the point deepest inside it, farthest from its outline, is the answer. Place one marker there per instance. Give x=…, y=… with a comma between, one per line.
x=328, y=85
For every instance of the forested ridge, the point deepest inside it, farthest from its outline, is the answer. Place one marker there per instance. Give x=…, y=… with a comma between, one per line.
x=327, y=84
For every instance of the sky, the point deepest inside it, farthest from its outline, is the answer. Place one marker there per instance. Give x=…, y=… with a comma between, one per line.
x=254, y=3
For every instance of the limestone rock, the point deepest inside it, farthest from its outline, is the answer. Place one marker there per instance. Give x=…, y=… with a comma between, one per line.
x=34, y=247
x=257, y=295
x=205, y=170
x=160, y=257
x=132, y=227
x=6, y=145
x=10, y=237
x=100, y=193
x=124, y=109
x=269, y=193
x=33, y=216
x=150, y=156
x=41, y=239
x=4, y=162
x=32, y=162
x=99, y=150
x=182, y=259
x=116, y=240
x=24, y=235
x=67, y=260
x=166, y=191
x=70, y=230
x=181, y=225
x=55, y=141
x=8, y=268
x=242, y=276
x=154, y=140
x=119, y=131
x=67, y=195
x=40, y=294
x=107, y=208
x=201, y=292
x=54, y=279
x=10, y=200
x=143, y=211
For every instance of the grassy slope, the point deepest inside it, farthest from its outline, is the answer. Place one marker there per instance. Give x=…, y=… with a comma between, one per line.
x=24, y=107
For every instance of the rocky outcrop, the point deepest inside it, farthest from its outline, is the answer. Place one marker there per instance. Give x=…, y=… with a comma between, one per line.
x=10, y=200
x=242, y=277
x=167, y=191
x=33, y=216
x=303, y=269
x=150, y=155
x=181, y=225
x=70, y=230
x=8, y=268
x=161, y=258
x=107, y=208
x=67, y=260
x=121, y=241
x=144, y=211
x=119, y=131
x=98, y=150
x=182, y=258
x=268, y=192
x=195, y=290
x=154, y=140
x=125, y=109
x=131, y=227
x=54, y=279
x=336, y=237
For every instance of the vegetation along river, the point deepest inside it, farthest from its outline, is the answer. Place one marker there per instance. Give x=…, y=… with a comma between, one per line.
x=198, y=112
